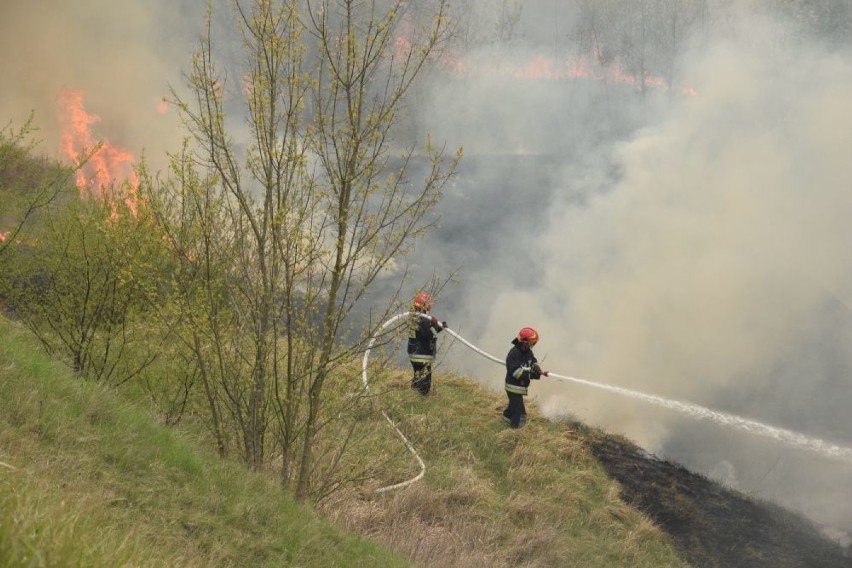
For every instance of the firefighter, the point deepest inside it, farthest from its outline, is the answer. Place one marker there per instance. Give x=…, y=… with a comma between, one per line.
x=422, y=341
x=521, y=367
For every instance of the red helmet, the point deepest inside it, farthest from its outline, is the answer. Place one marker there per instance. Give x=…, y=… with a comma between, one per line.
x=423, y=301
x=528, y=336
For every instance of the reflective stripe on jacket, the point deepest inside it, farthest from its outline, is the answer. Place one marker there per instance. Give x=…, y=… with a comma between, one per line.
x=519, y=369
x=422, y=339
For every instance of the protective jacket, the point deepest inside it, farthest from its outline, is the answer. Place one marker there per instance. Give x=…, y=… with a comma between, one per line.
x=521, y=367
x=422, y=338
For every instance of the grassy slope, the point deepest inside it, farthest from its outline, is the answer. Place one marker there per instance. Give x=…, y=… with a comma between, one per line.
x=493, y=496
x=541, y=497
x=87, y=479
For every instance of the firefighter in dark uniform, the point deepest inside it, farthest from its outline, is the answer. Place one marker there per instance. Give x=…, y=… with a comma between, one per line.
x=521, y=368
x=422, y=341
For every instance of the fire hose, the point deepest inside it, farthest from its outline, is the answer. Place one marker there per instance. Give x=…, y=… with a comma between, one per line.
x=408, y=444
x=779, y=434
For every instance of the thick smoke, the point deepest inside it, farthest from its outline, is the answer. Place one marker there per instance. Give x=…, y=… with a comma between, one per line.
x=123, y=55
x=718, y=260
x=695, y=247
x=692, y=247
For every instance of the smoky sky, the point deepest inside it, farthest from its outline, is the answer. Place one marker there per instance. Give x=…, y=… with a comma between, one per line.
x=690, y=246
x=691, y=241
x=123, y=55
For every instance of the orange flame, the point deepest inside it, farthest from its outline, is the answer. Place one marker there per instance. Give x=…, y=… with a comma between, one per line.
x=108, y=167
x=544, y=68
x=548, y=69
x=402, y=40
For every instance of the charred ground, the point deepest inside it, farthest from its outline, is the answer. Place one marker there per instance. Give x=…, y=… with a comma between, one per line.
x=711, y=525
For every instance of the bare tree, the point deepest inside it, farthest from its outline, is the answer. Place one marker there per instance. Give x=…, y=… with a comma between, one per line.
x=639, y=40
x=292, y=216
x=484, y=23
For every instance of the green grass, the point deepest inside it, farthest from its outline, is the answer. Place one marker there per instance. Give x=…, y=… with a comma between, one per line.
x=89, y=479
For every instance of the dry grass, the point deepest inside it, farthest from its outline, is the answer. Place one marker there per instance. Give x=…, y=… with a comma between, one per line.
x=492, y=496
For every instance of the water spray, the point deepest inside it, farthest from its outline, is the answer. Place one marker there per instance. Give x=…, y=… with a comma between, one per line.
x=752, y=426
x=789, y=437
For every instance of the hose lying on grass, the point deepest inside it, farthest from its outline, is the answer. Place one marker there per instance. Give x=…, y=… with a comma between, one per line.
x=408, y=445
x=695, y=411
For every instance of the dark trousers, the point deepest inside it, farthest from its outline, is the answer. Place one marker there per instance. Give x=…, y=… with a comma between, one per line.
x=422, y=379
x=516, y=412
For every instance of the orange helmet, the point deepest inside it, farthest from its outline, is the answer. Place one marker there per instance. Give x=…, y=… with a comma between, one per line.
x=528, y=336
x=423, y=301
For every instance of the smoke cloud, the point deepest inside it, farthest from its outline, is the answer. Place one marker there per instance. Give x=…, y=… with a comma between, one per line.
x=720, y=257
x=692, y=247
x=123, y=55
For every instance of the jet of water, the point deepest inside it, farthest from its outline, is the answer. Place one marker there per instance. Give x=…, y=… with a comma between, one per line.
x=780, y=434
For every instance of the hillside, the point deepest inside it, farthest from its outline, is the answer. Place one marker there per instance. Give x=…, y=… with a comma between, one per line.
x=712, y=526
x=88, y=478
x=555, y=495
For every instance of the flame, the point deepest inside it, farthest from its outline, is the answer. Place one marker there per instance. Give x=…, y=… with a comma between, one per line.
x=105, y=172
x=539, y=68
x=548, y=69
x=403, y=37
x=545, y=68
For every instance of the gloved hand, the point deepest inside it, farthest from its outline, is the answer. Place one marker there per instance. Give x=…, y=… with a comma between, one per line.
x=535, y=371
x=538, y=372
x=434, y=320
x=444, y=324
